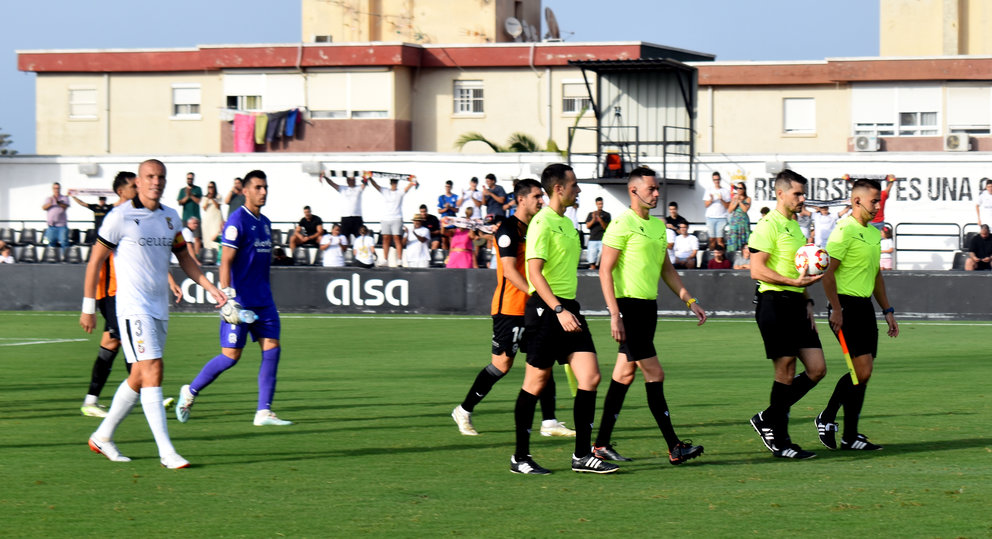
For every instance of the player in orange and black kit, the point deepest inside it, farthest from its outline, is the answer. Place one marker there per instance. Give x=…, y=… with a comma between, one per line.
x=508, y=314
x=106, y=290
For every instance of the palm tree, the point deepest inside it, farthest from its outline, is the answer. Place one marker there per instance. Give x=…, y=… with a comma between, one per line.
x=518, y=142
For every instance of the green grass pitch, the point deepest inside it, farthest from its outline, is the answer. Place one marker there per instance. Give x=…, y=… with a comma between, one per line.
x=374, y=451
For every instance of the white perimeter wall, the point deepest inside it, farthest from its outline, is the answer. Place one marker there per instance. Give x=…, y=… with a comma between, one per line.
x=939, y=187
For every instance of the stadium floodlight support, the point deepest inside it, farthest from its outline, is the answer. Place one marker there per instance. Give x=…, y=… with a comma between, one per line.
x=312, y=167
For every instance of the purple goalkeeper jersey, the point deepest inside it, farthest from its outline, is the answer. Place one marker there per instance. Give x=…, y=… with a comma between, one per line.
x=252, y=237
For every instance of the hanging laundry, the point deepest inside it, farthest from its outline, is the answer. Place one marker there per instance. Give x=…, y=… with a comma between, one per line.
x=244, y=133
x=291, y=122
x=261, y=122
x=276, y=123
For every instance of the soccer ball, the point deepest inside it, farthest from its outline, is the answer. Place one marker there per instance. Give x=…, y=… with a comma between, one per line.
x=812, y=257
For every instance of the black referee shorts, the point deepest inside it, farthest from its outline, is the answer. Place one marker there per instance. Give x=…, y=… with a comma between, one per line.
x=860, y=327
x=545, y=342
x=507, y=331
x=640, y=319
x=783, y=323
x=108, y=309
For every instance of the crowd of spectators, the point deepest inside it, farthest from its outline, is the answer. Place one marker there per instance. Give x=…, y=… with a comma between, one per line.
x=721, y=244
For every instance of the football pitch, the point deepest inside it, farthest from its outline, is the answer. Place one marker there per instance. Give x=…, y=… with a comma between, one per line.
x=373, y=450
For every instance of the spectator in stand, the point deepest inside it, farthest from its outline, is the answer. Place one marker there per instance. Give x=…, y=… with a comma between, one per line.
x=596, y=223
x=235, y=197
x=280, y=258
x=363, y=249
x=58, y=224
x=719, y=260
x=432, y=224
x=6, y=254
x=334, y=245
x=980, y=251
x=888, y=246
x=100, y=210
x=805, y=220
x=984, y=206
x=462, y=252
x=351, y=205
x=212, y=220
x=879, y=220
x=510, y=207
x=685, y=248
x=824, y=222
x=308, y=231
x=764, y=210
x=189, y=198
x=494, y=196
x=190, y=233
x=447, y=203
x=739, y=223
x=743, y=260
x=674, y=219
x=716, y=200
x=391, y=227
x=471, y=197
x=417, y=240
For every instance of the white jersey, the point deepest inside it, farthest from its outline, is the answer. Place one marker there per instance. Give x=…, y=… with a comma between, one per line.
x=394, y=203
x=364, y=249
x=352, y=205
x=716, y=210
x=822, y=226
x=143, y=241
x=416, y=249
x=333, y=257
x=985, y=207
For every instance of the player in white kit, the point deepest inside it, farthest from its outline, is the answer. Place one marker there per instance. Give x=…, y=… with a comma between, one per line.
x=143, y=234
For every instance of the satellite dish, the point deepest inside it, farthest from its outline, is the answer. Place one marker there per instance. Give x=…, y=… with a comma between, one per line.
x=513, y=27
x=553, y=33
x=530, y=32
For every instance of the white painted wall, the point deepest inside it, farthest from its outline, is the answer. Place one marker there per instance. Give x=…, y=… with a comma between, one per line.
x=956, y=179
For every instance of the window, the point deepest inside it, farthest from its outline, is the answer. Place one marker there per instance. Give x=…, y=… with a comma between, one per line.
x=915, y=124
x=244, y=102
x=369, y=114
x=969, y=109
x=186, y=101
x=468, y=97
x=906, y=110
x=574, y=98
x=82, y=103
x=324, y=38
x=328, y=114
x=799, y=115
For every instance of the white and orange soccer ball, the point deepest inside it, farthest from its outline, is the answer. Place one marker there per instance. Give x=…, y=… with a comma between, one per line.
x=812, y=258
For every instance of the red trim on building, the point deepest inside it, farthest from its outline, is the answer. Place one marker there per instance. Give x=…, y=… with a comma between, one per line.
x=287, y=56
x=842, y=71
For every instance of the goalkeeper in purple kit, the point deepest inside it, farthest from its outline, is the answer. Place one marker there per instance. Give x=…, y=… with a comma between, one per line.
x=244, y=276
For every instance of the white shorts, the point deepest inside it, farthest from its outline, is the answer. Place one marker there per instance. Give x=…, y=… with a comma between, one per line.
x=142, y=337
x=391, y=227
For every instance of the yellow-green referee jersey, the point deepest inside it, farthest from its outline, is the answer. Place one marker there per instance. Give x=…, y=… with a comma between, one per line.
x=780, y=237
x=859, y=248
x=643, y=246
x=553, y=238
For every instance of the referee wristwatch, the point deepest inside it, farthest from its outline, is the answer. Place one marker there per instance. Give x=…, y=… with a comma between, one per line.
x=559, y=308
x=890, y=310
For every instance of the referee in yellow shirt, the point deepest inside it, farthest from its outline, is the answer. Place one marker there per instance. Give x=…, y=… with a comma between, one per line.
x=784, y=314
x=849, y=283
x=634, y=258
x=554, y=330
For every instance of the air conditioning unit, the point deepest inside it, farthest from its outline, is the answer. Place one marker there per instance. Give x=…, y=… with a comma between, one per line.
x=866, y=143
x=956, y=142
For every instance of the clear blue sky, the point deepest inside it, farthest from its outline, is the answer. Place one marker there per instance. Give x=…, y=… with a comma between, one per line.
x=730, y=29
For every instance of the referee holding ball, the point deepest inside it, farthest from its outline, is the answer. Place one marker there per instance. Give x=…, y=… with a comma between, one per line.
x=784, y=314
x=849, y=283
